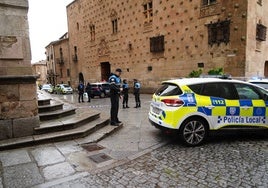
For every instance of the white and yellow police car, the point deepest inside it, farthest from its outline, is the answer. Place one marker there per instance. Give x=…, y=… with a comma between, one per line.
x=195, y=106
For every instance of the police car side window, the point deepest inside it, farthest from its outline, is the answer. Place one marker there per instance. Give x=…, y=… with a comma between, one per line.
x=221, y=90
x=168, y=90
x=247, y=92
x=196, y=88
x=210, y=89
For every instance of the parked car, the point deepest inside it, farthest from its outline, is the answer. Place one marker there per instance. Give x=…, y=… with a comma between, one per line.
x=194, y=107
x=100, y=89
x=260, y=82
x=47, y=87
x=63, y=89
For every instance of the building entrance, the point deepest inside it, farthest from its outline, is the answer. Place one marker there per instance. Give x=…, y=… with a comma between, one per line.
x=105, y=71
x=266, y=69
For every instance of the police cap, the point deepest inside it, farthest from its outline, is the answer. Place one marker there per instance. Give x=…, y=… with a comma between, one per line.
x=118, y=70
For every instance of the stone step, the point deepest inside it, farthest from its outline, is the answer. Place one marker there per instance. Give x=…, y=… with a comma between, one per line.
x=42, y=102
x=56, y=114
x=90, y=132
x=81, y=117
x=52, y=106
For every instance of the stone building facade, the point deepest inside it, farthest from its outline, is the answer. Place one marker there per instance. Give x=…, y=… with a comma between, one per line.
x=18, y=97
x=156, y=40
x=58, y=61
x=40, y=68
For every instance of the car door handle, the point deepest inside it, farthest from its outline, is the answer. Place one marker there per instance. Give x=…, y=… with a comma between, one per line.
x=210, y=107
x=245, y=107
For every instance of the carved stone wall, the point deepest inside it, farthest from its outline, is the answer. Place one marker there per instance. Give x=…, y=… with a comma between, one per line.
x=18, y=97
x=184, y=25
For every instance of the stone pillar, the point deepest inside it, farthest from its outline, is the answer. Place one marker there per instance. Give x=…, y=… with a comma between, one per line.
x=18, y=92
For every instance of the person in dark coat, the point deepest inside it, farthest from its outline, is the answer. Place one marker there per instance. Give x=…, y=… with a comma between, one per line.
x=81, y=89
x=125, y=93
x=88, y=90
x=136, y=93
x=115, y=90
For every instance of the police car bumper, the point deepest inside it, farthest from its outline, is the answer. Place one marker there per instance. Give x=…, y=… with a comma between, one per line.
x=158, y=123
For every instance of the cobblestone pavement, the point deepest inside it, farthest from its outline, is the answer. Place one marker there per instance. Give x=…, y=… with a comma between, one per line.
x=223, y=162
x=138, y=156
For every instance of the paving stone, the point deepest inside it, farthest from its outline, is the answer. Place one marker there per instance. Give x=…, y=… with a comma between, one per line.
x=68, y=147
x=47, y=156
x=25, y=175
x=58, y=171
x=14, y=157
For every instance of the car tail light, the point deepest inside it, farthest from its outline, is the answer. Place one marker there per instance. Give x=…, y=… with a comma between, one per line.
x=173, y=102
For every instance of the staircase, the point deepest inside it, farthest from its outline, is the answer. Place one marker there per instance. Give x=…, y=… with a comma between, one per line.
x=61, y=121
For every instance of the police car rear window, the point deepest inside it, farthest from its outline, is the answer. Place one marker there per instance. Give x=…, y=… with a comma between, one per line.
x=168, y=89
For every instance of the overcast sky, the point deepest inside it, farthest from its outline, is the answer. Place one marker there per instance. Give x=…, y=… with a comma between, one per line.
x=47, y=23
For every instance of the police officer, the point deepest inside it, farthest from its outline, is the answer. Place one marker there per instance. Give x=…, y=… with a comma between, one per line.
x=136, y=92
x=125, y=93
x=115, y=90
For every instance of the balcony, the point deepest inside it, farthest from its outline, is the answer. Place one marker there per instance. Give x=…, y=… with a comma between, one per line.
x=75, y=58
x=60, y=61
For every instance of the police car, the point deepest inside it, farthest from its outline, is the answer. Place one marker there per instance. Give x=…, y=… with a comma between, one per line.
x=195, y=106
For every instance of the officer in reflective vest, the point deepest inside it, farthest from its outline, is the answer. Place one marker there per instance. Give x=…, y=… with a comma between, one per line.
x=136, y=92
x=115, y=90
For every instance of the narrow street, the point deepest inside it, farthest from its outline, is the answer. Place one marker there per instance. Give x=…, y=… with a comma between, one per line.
x=138, y=155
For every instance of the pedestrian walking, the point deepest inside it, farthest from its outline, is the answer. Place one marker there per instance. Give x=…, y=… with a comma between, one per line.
x=81, y=89
x=115, y=90
x=136, y=93
x=125, y=93
x=88, y=90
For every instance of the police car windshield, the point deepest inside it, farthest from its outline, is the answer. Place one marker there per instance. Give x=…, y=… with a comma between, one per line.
x=168, y=89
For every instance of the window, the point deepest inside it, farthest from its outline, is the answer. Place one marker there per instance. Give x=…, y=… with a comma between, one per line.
x=92, y=32
x=148, y=12
x=61, y=53
x=114, y=25
x=221, y=90
x=75, y=57
x=208, y=2
x=68, y=72
x=157, y=44
x=261, y=32
x=219, y=32
x=247, y=92
x=168, y=89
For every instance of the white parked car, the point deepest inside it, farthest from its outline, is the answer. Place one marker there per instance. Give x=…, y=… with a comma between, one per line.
x=260, y=82
x=63, y=89
x=47, y=87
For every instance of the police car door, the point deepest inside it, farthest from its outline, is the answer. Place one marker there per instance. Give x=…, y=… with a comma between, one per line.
x=252, y=105
x=223, y=104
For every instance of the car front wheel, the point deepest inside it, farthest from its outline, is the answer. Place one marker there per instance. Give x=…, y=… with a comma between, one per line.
x=194, y=132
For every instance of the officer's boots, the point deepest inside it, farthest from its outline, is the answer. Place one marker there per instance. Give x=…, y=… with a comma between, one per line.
x=124, y=106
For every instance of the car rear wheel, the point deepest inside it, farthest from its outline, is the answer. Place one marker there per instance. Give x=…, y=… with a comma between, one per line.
x=194, y=131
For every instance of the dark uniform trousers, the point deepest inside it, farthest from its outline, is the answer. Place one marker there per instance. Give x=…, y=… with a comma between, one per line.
x=114, y=107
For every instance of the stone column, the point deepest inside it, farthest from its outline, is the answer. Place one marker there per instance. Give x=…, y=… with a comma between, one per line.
x=18, y=91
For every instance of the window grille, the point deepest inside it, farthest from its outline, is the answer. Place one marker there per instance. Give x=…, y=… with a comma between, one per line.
x=261, y=32
x=148, y=12
x=219, y=32
x=157, y=44
x=208, y=2
x=115, y=26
